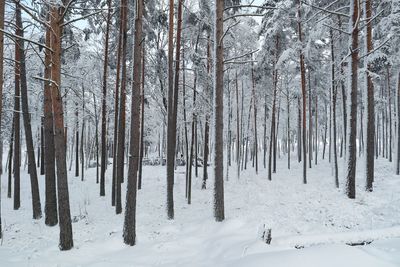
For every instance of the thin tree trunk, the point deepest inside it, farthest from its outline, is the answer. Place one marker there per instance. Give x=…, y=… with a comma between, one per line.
x=142, y=129
x=238, y=129
x=96, y=118
x=171, y=127
x=104, y=156
x=390, y=113
x=82, y=137
x=121, y=112
x=207, y=120
x=77, y=141
x=10, y=158
x=2, y=10
x=17, y=108
x=116, y=104
x=41, y=148
x=334, y=97
x=304, y=95
x=255, y=118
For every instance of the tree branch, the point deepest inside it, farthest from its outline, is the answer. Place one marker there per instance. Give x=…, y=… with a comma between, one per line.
x=25, y=39
x=81, y=18
x=325, y=10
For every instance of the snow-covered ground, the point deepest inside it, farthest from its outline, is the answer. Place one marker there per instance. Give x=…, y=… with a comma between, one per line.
x=311, y=224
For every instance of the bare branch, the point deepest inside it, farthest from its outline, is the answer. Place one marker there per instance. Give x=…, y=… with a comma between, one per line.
x=33, y=16
x=240, y=62
x=66, y=9
x=244, y=15
x=25, y=39
x=325, y=10
x=336, y=29
x=252, y=6
x=376, y=49
x=241, y=56
x=81, y=18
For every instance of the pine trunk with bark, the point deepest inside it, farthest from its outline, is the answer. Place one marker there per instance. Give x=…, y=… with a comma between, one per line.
x=51, y=217
x=353, y=69
x=104, y=156
x=129, y=231
x=171, y=127
x=304, y=94
x=56, y=22
x=370, y=105
x=219, y=213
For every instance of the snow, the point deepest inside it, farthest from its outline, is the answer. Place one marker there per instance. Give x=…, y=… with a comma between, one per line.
x=316, y=218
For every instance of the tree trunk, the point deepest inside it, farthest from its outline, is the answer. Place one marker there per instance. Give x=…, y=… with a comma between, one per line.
x=116, y=104
x=142, y=129
x=104, y=156
x=370, y=105
x=310, y=130
x=2, y=10
x=238, y=129
x=207, y=119
x=82, y=136
x=352, y=157
x=96, y=121
x=171, y=127
x=66, y=240
x=41, y=148
x=303, y=91
x=219, y=212
x=129, y=232
x=334, y=97
x=390, y=114
x=50, y=171
x=255, y=118
x=121, y=112
x=77, y=140
x=17, y=108
x=10, y=159
x=398, y=126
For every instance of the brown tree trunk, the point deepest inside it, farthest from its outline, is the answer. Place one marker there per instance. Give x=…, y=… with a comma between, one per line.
x=219, y=212
x=207, y=120
x=255, y=118
x=129, y=232
x=77, y=140
x=352, y=157
x=398, y=126
x=17, y=108
x=390, y=113
x=10, y=159
x=334, y=97
x=50, y=171
x=96, y=136
x=2, y=10
x=82, y=136
x=142, y=129
x=66, y=240
x=171, y=127
x=116, y=106
x=370, y=105
x=304, y=94
x=238, y=129
x=41, y=148
x=104, y=156
x=121, y=113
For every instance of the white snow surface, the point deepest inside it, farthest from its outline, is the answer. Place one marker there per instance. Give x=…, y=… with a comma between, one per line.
x=317, y=218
